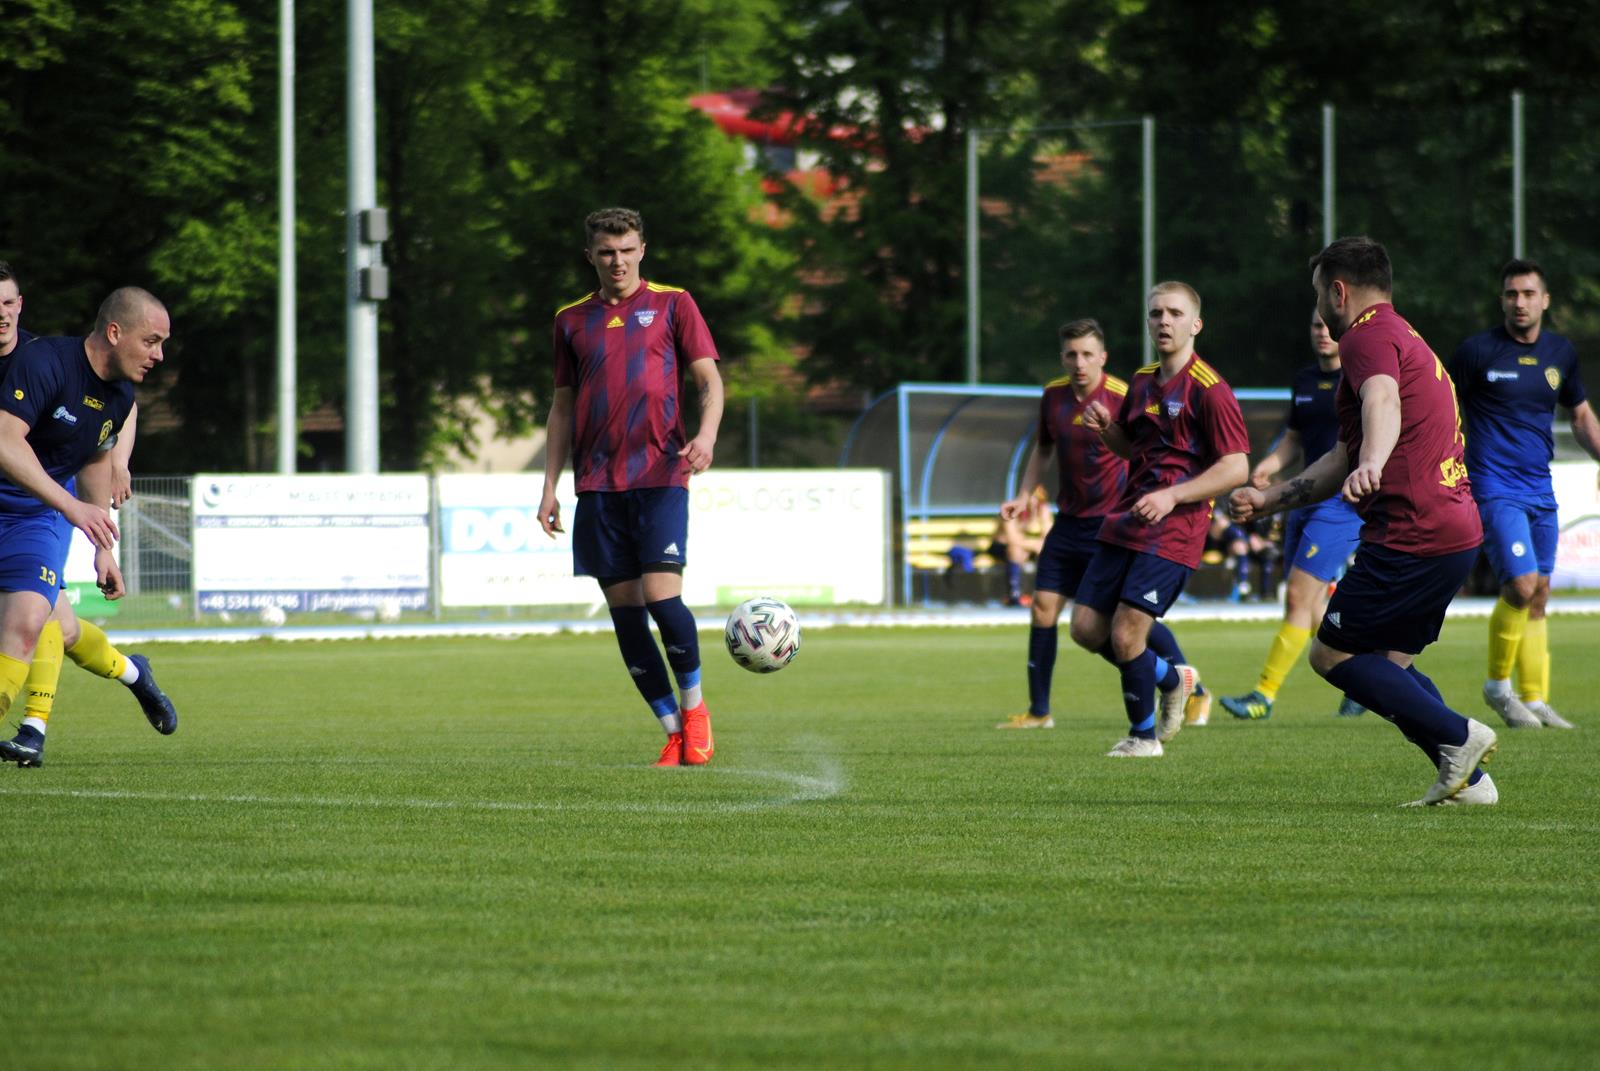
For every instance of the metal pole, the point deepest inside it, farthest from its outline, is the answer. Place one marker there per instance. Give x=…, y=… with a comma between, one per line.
x=361, y=316
x=288, y=409
x=1148, y=147
x=1328, y=171
x=972, y=255
x=1517, y=191
x=755, y=432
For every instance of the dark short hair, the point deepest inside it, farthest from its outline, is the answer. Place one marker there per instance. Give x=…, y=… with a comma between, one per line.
x=1081, y=329
x=1514, y=266
x=613, y=221
x=1359, y=261
x=6, y=272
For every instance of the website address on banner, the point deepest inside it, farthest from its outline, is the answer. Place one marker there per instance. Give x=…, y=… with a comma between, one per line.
x=215, y=602
x=370, y=520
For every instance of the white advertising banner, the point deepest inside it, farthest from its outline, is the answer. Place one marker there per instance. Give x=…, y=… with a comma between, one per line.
x=309, y=543
x=812, y=537
x=1578, y=504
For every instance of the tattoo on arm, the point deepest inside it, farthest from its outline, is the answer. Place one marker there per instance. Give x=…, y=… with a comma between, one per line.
x=1297, y=494
x=705, y=396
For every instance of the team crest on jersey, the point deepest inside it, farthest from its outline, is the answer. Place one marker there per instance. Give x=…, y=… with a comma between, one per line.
x=1174, y=407
x=1552, y=377
x=646, y=317
x=105, y=429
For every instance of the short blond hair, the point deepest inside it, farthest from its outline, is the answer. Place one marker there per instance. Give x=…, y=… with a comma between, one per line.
x=1173, y=286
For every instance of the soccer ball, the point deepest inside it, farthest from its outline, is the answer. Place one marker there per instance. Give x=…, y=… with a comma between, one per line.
x=272, y=615
x=763, y=634
x=388, y=610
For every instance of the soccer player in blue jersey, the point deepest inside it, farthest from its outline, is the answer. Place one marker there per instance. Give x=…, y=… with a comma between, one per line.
x=1180, y=427
x=1400, y=460
x=1511, y=379
x=64, y=634
x=1318, y=539
x=1092, y=477
x=620, y=354
x=62, y=403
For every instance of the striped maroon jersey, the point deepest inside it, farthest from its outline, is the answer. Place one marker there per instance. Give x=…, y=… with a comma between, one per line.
x=1177, y=430
x=626, y=363
x=1091, y=474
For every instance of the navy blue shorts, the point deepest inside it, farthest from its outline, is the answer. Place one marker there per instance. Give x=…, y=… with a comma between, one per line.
x=1319, y=539
x=1393, y=601
x=1142, y=581
x=1068, y=547
x=617, y=533
x=32, y=554
x=1519, y=537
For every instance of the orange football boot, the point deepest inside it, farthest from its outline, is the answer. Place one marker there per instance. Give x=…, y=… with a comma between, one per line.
x=672, y=754
x=698, y=747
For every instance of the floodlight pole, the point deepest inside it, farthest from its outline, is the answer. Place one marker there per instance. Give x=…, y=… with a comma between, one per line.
x=362, y=266
x=1327, y=175
x=1517, y=192
x=972, y=255
x=288, y=409
x=1148, y=129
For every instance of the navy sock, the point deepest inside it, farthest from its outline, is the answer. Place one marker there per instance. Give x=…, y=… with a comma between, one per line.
x=1386, y=689
x=1428, y=749
x=682, y=640
x=1013, y=579
x=643, y=659
x=1139, y=693
x=1041, y=667
x=1165, y=645
x=1104, y=651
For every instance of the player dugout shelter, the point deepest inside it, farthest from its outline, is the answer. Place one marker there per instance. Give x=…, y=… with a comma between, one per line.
x=956, y=451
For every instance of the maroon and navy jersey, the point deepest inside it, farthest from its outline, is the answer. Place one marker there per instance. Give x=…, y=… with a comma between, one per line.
x=1177, y=430
x=1091, y=474
x=625, y=363
x=1423, y=505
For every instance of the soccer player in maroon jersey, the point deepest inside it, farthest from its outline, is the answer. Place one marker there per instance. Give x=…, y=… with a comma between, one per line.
x=620, y=355
x=1091, y=480
x=1180, y=426
x=1401, y=460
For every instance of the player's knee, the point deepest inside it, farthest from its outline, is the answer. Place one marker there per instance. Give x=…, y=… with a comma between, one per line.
x=1324, y=658
x=1520, y=591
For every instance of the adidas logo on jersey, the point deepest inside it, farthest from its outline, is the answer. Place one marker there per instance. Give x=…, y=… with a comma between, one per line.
x=1333, y=619
x=1152, y=596
x=616, y=321
x=672, y=548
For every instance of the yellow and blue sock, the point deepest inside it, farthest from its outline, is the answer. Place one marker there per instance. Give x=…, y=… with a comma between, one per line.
x=1042, y=645
x=93, y=652
x=1507, y=625
x=1533, y=661
x=643, y=659
x=44, y=674
x=1281, y=658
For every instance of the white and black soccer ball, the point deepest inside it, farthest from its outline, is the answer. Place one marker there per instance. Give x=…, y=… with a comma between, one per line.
x=763, y=634
x=273, y=615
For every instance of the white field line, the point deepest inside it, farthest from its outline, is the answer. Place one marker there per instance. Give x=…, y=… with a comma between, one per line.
x=804, y=788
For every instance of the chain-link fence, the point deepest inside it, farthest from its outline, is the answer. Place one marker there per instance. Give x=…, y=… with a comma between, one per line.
x=156, y=558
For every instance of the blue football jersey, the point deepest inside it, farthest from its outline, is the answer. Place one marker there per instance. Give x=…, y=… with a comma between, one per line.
x=1508, y=392
x=70, y=411
x=1312, y=412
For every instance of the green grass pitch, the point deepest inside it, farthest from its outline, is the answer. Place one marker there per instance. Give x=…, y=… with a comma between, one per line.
x=452, y=853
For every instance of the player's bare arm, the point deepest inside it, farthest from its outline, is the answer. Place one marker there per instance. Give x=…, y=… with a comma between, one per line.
x=1032, y=475
x=122, y=459
x=1586, y=429
x=21, y=465
x=97, y=482
x=1097, y=418
x=1317, y=481
x=1380, y=430
x=1226, y=472
x=557, y=448
x=1283, y=454
x=708, y=387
